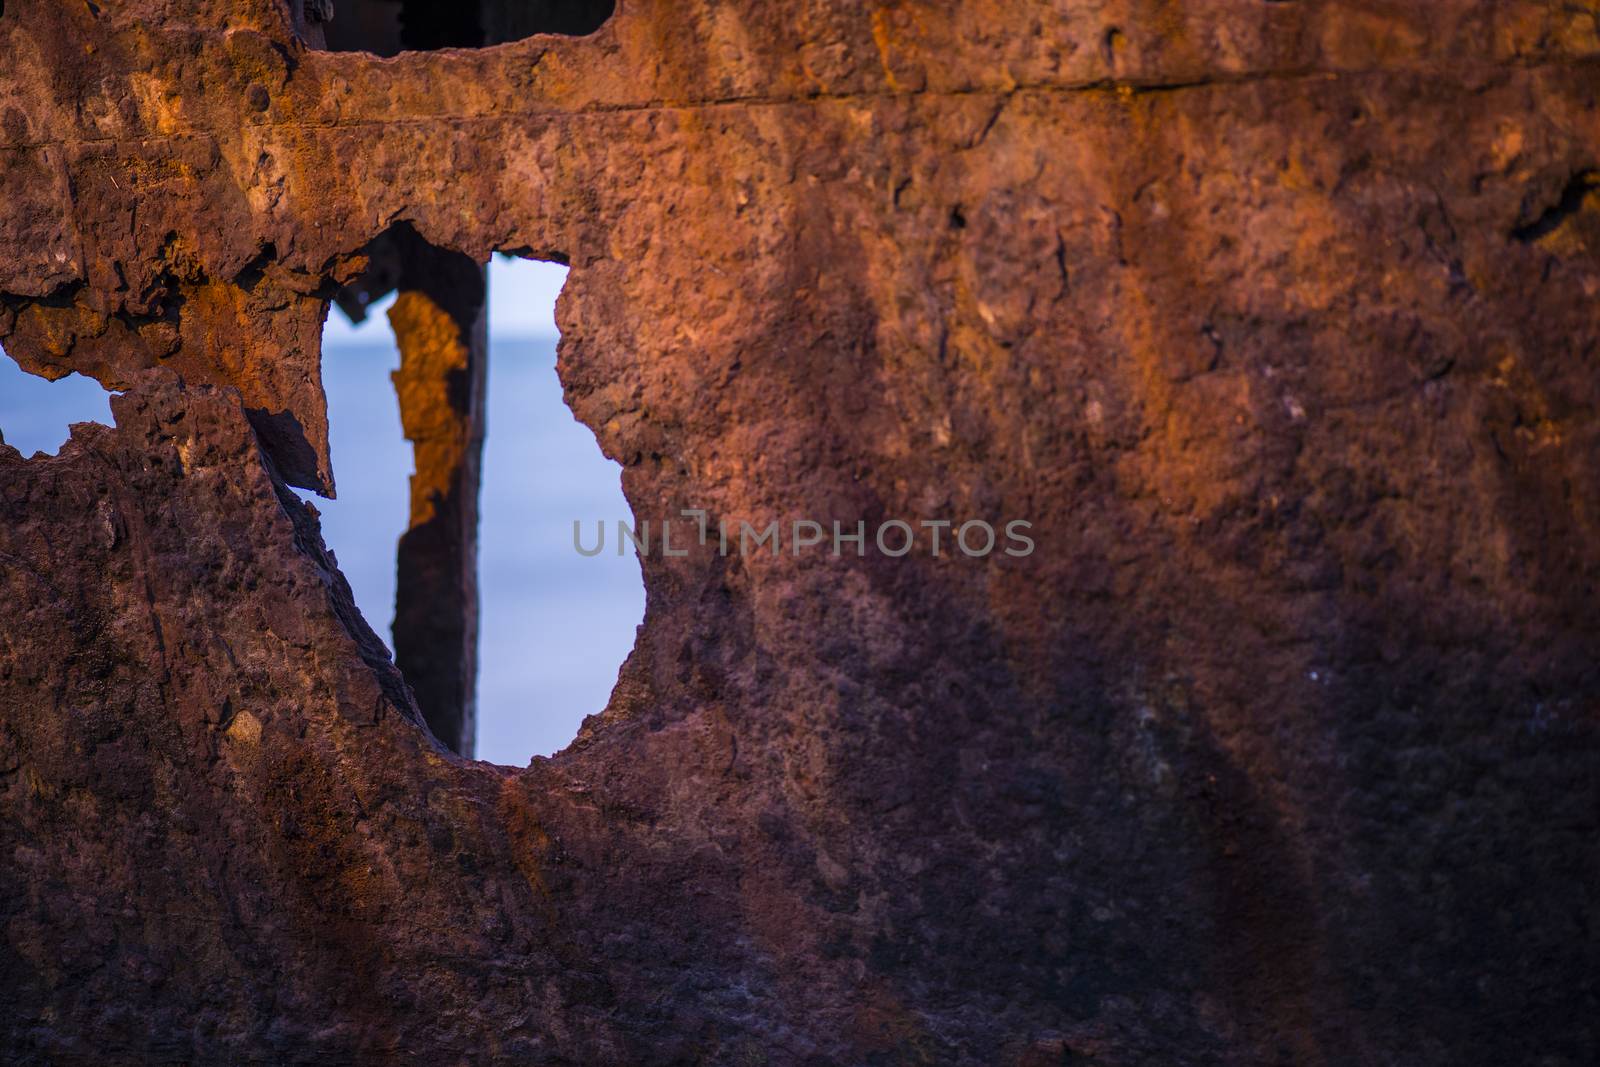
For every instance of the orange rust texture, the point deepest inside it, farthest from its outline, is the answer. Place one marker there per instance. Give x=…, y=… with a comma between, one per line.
x=433, y=358
x=1275, y=320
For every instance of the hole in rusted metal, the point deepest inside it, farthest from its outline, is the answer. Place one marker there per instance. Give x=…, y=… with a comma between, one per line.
x=388, y=27
x=37, y=415
x=506, y=634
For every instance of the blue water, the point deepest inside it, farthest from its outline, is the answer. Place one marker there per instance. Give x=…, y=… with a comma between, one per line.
x=555, y=625
x=35, y=414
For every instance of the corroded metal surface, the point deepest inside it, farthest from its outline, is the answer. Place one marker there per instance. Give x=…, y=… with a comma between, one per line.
x=1274, y=319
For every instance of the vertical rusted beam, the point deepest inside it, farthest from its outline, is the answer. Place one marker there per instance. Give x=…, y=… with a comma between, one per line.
x=440, y=324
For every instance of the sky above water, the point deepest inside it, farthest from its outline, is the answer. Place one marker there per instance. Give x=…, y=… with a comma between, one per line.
x=555, y=626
